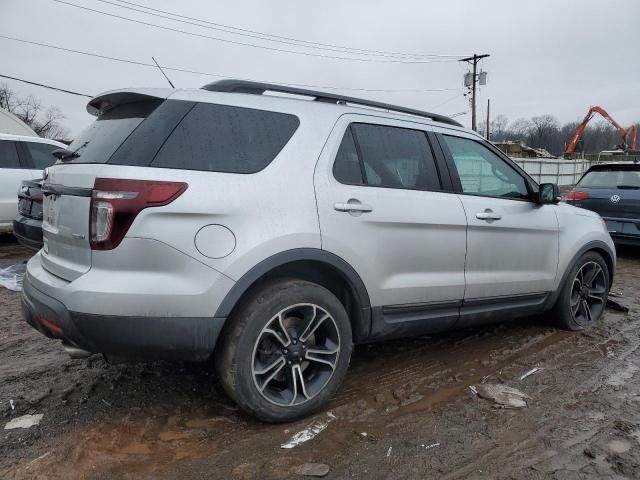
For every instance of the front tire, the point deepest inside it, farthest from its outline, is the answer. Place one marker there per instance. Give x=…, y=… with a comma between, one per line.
x=285, y=351
x=583, y=297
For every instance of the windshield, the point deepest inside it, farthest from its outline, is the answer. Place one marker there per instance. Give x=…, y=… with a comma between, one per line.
x=97, y=143
x=611, y=178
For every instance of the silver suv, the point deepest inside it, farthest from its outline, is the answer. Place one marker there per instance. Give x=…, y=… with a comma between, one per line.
x=274, y=232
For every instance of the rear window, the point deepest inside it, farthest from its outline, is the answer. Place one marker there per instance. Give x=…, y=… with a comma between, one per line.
x=97, y=143
x=222, y=138
x=611, y=178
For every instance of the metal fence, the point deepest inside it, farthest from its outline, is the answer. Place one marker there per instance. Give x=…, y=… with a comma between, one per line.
x=551, y=170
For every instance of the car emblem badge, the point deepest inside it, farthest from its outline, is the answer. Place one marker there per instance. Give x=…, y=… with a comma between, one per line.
x=615, y=198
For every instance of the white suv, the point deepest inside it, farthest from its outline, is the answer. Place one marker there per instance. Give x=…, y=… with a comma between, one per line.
x=275, y=232
x=21, y=158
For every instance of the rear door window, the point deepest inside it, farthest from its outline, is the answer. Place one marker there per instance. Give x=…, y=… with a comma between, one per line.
x=385, y=156
x=222, y=138
x=347, y=168
x=8, y=155
x=40, y=154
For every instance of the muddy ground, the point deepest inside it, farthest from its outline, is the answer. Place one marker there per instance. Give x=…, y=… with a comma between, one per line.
x=411, y=398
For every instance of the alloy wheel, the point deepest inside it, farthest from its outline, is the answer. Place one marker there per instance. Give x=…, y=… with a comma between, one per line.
x=295, y=354
x=588, y=293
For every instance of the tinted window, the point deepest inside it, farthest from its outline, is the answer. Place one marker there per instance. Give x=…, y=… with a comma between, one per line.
x=613, y=178
x=221, y=138
x=390, y=157
x=98, y=142
x=41, y=154
x=346, y=168
x=483, y=172
x=8, y=155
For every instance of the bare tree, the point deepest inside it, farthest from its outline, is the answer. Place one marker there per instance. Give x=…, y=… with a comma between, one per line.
x=520, y=130
x=498, y=126
x=29, y=109
x=544, y=132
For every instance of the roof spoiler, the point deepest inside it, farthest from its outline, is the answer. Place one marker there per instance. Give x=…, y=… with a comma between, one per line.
x=106, y=101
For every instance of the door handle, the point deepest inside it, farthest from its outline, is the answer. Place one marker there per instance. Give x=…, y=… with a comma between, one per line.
x=352, y=206
x=488, y=215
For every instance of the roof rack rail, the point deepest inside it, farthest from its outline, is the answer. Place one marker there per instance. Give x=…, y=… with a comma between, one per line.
x=258, y=88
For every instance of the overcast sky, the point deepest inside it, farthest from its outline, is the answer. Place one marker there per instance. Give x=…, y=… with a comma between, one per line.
x=547, y=56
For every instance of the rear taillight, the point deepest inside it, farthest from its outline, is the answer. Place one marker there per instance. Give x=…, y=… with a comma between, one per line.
x=116, y=203
x=577, y=195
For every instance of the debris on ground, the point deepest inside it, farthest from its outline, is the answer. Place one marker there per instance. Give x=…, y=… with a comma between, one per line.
x=530, y=372
x=26, y=421
x=13, y=405
x=389, y=451
x=503, y=396
x=617, y=306
x=312, y=469
x=428, y=446
x=308, y=433
x=36, y=460
x=366, y=436
x=11, y=276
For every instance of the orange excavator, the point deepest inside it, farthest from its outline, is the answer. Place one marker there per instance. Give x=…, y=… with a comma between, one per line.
x=629, y=136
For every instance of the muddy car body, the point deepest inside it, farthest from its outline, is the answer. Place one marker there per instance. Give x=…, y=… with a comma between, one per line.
x=276, y=232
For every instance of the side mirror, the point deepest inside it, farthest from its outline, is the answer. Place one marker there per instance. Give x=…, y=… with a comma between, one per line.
x=548, y=193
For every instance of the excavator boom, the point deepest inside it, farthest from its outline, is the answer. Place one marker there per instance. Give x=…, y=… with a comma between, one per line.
x=631, y=132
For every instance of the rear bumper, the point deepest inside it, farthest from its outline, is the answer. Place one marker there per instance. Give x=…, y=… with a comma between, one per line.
x=28, y=231
x=131, y=338
x=143, y=300
x=623, y=231
x=625, y=239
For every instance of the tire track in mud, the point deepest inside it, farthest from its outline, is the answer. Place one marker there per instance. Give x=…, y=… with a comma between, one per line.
x=437, y=370
x=401, y=392
x=521, y=439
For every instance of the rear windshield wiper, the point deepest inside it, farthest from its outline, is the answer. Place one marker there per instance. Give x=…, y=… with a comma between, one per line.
x=64, y=154
x=628, y=187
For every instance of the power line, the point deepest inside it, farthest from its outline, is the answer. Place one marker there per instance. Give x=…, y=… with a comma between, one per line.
x=46, y=86
x=457, y=95
x=208, y=74
x=267, y=36
x=253, y=45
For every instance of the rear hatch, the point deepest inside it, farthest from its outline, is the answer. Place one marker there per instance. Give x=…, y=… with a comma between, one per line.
x=612, y=191
x=614, y=202
x=67, y=186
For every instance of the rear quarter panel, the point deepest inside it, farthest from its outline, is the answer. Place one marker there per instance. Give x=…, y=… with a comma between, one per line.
x=268, y=212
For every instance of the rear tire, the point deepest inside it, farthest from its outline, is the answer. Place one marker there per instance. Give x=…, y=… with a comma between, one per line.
x=285, y=350
x=583, y=297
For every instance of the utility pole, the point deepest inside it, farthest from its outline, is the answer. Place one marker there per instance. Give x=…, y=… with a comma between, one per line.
x=488, y=108
x=474, y=61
